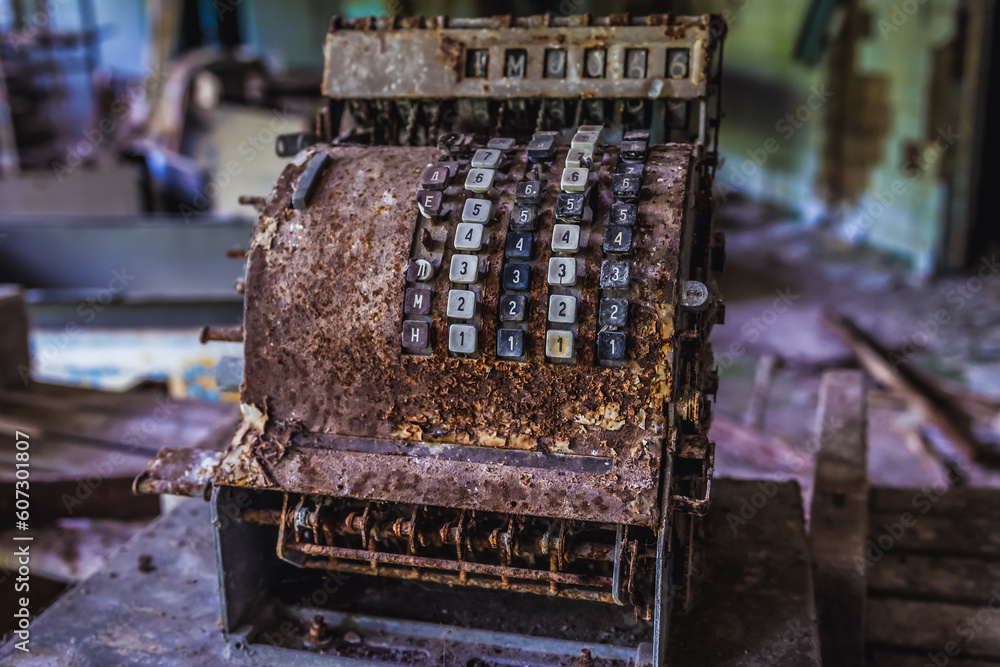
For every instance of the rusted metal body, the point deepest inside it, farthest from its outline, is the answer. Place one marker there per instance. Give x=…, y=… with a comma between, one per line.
x=348, y=410
x=423, y=58
x=579, y=478
x=403, y=81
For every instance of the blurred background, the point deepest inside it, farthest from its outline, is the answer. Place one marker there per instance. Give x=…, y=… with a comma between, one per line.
x=855, y=193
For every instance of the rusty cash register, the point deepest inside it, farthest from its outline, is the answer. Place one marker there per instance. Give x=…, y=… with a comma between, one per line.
x=477, y=306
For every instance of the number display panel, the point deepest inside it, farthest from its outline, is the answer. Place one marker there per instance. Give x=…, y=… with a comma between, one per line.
x=668, y=57
x=325, y=326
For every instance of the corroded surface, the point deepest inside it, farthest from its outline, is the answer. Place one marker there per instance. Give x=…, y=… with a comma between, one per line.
x=323, y=357
x=427, y=58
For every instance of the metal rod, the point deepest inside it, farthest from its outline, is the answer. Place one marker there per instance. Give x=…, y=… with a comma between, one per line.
x=230, y=334
x=454, y=579
x=442, y=564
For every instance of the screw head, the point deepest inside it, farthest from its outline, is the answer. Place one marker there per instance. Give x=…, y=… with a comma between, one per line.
x=694, y=296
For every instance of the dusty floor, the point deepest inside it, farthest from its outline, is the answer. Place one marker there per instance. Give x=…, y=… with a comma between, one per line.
x=779, y=278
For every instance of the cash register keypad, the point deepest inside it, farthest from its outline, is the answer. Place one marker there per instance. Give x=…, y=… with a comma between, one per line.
x=541, y=233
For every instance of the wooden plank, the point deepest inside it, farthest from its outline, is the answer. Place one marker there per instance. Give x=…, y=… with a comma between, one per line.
x=839, y=518
x=753, y=600
x=937, y=502
x=949, y=579
x=911, y=531
x=890, y=658
x=925, y=398
x=951, y=630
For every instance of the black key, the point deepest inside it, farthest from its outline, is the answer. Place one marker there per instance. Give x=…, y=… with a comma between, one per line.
x=626, y=187
x=623, y=214
x=634, y=150
x=419, y=271
x=614, y=273
x=642, y=135
x=529, y=192
x=510, y=343
x=516, y=276
x=309, y=180
x=630, y=168
x=417, y=301
x=416, y=335
x=435, y=178
x=513, y=307
x=524, y=218
x=618, y=239
x=613, y=312
x=519, y=245
x=451, y=165
x=429, y=202
x=541, y=149
x=569, y=206
x=611, y=345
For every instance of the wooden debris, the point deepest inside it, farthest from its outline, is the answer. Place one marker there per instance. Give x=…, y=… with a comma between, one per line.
x=922, y=395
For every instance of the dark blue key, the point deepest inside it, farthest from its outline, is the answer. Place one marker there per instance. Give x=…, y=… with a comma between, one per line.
x=611, y=345
x=624, y=214
x=618, y=238
x=529, y=192
x=613, y=312
x=516, y=276
x=524, y=218
x=614, y=273
x=626, y=187
x=569, y=206
x=519, y=245
x=513, y=307
x=510, y=343
x=634, y=150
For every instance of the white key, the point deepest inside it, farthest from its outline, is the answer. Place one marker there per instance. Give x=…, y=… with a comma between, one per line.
x=487, y=158
x=562, y=309
x=464, y=269
x=462, y=338
x=461, y=304
x=480, y=180
x=565, y=237
x=574, y=179
x=502, y=143
x=590, y=128
x=562, y=270
x=477, y=210
x=577, y=157
x=559, y=344
x=588, y=141
x=468, y=236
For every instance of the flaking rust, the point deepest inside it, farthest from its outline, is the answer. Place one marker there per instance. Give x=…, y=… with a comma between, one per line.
x=557, y=477
x=324, y=296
